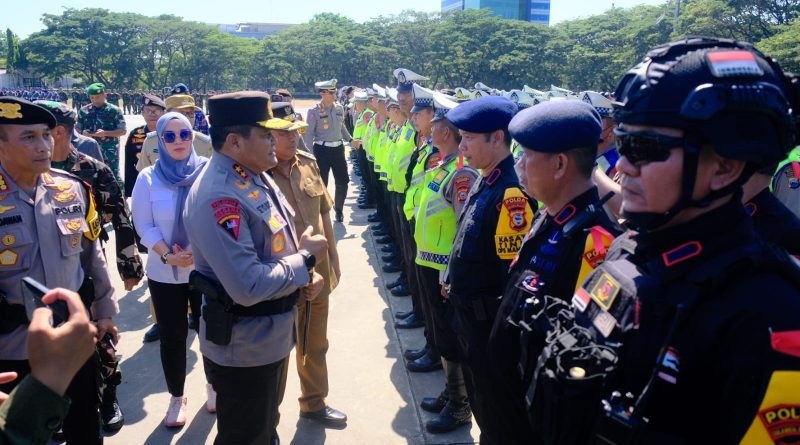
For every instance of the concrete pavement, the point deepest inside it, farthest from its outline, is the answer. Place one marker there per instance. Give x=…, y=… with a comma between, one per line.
x=368, y=379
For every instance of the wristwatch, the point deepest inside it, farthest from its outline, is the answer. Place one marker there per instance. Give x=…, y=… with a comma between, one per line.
x=164, y=257
x=309, y=259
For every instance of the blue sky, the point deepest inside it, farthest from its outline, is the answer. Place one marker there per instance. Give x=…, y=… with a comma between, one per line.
x=24, y=20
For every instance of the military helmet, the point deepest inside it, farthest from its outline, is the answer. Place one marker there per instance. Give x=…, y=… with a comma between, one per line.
x=720, y=92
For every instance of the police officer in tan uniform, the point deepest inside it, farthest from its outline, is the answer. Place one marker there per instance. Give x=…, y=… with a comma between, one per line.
x=297, y=176
x=251, y=264
x=48, y=231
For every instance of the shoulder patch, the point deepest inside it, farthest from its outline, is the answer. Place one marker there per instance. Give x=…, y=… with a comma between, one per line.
x=778, y=417
x=434, y=160
x=513, y=223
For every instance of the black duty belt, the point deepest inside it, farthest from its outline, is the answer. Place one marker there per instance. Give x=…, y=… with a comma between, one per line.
x=271, y=307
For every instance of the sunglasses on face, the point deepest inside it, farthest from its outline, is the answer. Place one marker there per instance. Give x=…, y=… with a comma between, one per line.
x=326, y=92
x=644, y=146
x=169, y=136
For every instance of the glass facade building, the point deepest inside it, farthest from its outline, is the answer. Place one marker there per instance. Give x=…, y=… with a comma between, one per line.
x=536, y=11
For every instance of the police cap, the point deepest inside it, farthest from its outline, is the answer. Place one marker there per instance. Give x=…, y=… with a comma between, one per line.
x=483, y=115
x=179, y=88
x=152, y=99
x=17, y=111
x=243, y=108
x=554, y=127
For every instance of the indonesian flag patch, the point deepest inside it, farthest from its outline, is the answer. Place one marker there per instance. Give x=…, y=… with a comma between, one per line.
x=733, y=63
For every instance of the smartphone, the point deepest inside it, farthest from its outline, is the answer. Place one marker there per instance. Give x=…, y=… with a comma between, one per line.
x=32, y=293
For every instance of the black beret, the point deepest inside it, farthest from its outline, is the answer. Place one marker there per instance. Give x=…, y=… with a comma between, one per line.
x=557, y=126
x=483, y=115
x=152, y=99
x=63, y=113
x=243, y=108
x=16, y=111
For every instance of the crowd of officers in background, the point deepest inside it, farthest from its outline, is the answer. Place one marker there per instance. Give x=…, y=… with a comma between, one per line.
x=537, y=317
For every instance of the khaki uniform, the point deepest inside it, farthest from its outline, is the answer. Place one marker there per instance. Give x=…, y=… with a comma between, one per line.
x=307, y=194
x=43, y=238
x=149, y=153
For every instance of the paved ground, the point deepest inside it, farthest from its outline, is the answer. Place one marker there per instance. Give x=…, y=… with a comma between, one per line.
x=368, y=379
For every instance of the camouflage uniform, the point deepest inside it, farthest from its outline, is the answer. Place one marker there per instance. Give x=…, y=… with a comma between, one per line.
x=109, y=117
x=111, y=207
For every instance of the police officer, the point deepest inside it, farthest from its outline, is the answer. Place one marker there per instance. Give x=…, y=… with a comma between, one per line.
x=326, y=135
x=48, y=229
x=693, y=312
x=442, y=196
x=251, y=266
x=786, y=181
x=297, y=176
x=104, y=122
x=152, y=109
x=491, y=226
x=559, y=140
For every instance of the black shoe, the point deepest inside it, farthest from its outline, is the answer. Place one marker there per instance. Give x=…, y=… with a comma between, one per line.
x=152, y=334
x=390, y=258
x=389, y=248
x=402, y=316
x=413, y=354
x=449, y=419
x=377, y=226
x=396, y=283
x=391, y=268
x=435, y=404
x=381, y=233
x=427, y=363
x=384, y=240
x=339, y=216
x=327, y=416
x=401, y=291
x=112, y=416
x=374, y=218
x=410, y=323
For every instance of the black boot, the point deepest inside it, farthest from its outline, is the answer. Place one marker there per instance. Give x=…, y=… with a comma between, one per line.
x=436, y=404
x=110, y=411
x=449, y=419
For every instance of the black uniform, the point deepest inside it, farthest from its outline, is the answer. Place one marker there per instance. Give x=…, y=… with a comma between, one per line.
x=548, y=263
x=477, y=273
x=774, y=221
x=133, y=149
x=707, y=316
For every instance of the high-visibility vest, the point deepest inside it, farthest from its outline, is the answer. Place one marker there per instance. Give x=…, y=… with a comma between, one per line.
x=360, y=126
x=435, y=229
x=792, y=162
x=382, y=147
x=404, y=147
x=426, y=155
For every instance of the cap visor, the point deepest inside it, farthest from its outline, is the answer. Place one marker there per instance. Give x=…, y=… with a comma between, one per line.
x=275, y=124
x=418, y=108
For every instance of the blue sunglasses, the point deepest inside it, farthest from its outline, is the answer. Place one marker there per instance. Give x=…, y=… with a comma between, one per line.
x=169, y=136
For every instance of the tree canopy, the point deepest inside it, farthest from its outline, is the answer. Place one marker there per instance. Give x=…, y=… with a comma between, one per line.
x=127, y=50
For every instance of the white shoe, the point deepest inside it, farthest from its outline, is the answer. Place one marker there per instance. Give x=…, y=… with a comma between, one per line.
x=211, y=402
x=176, y=413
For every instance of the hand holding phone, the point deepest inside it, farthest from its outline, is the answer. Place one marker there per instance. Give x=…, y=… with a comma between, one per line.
x=32, y=293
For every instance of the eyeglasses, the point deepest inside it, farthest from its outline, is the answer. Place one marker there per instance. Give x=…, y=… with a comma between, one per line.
x=644, y=146
x=152, y=110
x=169, y=136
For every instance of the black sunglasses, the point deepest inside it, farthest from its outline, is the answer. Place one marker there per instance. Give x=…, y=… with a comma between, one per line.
x=644, y=146
x=169, y=136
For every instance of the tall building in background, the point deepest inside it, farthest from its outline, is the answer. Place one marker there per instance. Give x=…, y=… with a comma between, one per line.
x=535, y=11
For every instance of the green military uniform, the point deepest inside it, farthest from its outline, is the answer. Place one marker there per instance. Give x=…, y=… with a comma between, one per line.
x=31, y=414
x=108, y=117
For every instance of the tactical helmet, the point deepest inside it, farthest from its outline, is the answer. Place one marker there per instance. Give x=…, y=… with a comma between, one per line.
x=720, y=92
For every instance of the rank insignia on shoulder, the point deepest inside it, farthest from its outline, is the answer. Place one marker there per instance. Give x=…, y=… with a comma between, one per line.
x=682, y=253
x=240, y=171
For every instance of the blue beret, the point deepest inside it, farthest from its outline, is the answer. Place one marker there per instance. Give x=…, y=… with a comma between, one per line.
x=556, y=126
x=179, y=89
x=483, y=115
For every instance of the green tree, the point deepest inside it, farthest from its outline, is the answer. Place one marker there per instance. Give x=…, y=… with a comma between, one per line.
x=785, y=46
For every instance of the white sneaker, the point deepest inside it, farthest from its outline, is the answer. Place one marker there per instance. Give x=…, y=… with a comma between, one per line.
x=211, y=402
x=176, y=413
